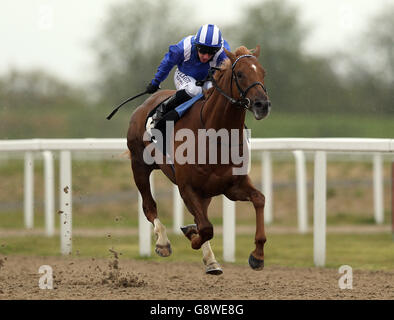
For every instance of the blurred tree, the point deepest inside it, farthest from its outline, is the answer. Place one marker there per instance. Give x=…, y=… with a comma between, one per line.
x=380, y=44
x=135, y=37
x=131, y=44
x=36, y=104
x=24, y=90
x=296, y=81
x=370, y=65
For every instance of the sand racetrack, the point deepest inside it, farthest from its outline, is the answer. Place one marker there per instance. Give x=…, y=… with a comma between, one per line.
x=120, y=278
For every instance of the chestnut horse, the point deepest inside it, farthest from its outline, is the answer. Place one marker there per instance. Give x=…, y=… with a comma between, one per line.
x=238, y=86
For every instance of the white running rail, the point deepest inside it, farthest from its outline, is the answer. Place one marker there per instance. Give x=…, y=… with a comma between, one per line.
x=297, y=145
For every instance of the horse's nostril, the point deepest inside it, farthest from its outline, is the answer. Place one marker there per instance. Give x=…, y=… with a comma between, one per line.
x=262, y=104
x=258, y=104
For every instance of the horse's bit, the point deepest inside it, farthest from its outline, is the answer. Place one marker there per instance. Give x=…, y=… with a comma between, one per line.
x=242, y=101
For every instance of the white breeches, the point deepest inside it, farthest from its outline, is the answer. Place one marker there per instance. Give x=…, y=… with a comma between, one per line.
x=188, y=83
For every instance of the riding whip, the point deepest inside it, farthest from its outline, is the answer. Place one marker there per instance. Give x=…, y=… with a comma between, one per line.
x=124, y=102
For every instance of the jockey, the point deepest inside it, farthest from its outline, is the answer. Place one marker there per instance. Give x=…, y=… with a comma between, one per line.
x=193, y=55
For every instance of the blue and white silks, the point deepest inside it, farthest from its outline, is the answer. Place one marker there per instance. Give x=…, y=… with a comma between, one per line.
x=184, y=55
x=181, y=109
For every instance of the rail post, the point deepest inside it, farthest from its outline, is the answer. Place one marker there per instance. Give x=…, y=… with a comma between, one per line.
x=378, y=188
x=319, y=211
x=267, y=186
x=65, y=203
x=29, y=190
x=302, y=211
x=392, y=200
x=177, y=211
x=228, y=230
x=49, y=197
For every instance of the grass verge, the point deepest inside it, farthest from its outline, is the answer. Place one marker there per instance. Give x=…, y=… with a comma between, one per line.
x=368, y=252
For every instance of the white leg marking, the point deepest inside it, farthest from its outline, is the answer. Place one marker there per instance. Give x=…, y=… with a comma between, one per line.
x=212, y=266
x=160, y=231
x=207, y=253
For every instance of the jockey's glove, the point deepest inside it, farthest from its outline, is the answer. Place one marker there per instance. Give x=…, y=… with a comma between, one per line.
x=152, y=88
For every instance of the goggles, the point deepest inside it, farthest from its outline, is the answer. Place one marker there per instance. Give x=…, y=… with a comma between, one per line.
x=205, y=49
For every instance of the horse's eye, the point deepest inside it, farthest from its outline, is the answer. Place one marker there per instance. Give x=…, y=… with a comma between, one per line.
x=239, y=74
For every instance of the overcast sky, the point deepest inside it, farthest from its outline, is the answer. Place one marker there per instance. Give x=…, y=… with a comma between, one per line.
x=54, y=34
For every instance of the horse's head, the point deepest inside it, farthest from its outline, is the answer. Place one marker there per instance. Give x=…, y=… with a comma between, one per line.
x=248, y=81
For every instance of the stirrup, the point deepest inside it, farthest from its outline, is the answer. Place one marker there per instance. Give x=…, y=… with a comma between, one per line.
x=156, y=118
x=158, y=115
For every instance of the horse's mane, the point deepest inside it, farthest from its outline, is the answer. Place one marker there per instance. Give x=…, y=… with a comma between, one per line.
x=226, y=65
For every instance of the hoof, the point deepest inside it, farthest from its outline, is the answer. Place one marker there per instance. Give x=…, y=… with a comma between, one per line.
x=186, y=229
x=256, y=264
x=214, y=269
x=163, y=251
x=189, y=230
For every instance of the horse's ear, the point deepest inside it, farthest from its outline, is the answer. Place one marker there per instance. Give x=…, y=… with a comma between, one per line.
x=256, y=51
x=230, y=55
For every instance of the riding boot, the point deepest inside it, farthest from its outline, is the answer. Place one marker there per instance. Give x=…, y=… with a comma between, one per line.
x=177, y=99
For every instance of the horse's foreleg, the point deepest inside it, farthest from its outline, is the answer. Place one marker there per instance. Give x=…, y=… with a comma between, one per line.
x=256, y=258
x=246, y=192
x=141, y=177
x=200, y=233
x=208, y=257
x=198, y=207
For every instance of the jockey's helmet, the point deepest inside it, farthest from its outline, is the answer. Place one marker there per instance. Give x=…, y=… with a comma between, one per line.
x=208, y=39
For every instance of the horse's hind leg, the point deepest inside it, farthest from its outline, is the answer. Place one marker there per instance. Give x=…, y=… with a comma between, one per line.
x=200, y=233
x=163, y=245
x=141, y=173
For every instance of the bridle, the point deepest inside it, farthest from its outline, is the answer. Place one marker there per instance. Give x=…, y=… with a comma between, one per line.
x=242, y=102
